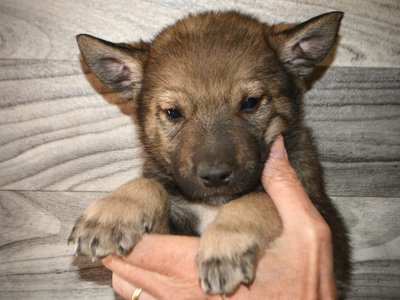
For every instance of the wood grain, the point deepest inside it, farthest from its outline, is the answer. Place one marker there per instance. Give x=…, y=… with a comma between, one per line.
x=37, y=263
x=354, y=114
x=58, y=134
x=46, y=29
x=34, y=254
x=65, y=140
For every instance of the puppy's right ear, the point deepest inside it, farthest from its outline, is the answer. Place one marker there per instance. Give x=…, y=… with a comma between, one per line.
x=118, y=66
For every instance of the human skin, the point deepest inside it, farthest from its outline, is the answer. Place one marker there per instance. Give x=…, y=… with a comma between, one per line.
x=297, y=265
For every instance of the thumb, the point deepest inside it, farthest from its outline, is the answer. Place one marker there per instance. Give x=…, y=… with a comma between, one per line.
x=282, y=184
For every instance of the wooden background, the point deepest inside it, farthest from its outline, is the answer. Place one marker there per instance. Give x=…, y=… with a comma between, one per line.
x=64, y=144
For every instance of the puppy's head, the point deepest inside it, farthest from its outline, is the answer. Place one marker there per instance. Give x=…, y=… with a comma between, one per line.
x=210, y=89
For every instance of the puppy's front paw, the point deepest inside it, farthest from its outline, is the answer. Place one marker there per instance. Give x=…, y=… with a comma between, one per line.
x=106, y=228
x=115, y=223
x=225, y=261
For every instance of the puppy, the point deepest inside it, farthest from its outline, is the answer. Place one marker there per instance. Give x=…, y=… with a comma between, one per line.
x=210, y=93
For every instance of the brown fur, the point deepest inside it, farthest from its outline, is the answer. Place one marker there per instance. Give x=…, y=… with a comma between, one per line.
x=210, y=93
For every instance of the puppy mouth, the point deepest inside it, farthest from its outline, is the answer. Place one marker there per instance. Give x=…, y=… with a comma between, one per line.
x=214, y=198
x=220, y=187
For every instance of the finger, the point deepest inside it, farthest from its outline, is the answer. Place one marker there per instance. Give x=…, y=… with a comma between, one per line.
x=327, y=284
x=157, y=252
x=126, y=289
x=149, y=281
x=282, y=184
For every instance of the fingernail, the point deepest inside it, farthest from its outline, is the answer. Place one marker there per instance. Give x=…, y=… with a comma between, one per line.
x=277, y=154
x=278, y=148
x=106, y=260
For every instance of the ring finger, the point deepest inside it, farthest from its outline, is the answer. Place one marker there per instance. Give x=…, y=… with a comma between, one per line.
x=126, y=290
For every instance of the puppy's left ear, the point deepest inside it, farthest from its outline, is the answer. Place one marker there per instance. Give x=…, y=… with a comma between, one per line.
x=302, y=46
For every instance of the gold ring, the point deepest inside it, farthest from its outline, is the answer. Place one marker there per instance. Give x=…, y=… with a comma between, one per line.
x=136, y=293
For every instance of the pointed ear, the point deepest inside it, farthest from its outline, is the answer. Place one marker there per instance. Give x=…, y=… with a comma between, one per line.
x=118, y=66
x=302, y=46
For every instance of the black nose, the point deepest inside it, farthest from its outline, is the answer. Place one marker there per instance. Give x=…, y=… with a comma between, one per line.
x=214, y=175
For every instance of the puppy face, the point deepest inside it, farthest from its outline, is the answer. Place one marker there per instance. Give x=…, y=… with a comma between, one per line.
x=210, y=90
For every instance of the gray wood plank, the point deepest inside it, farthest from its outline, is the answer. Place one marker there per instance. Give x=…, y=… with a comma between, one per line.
x=374, y=233
x=57, y=133
x=46, y=29
x=376, y=280
x=63, y=133
x=37, y=263
x=355, y=117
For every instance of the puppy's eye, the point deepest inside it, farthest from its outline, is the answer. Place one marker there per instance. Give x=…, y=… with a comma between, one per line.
x=250, y=104
x=173, y=113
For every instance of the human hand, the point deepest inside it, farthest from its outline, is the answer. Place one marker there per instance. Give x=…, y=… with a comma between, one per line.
x=298, y=265
x=164, y=266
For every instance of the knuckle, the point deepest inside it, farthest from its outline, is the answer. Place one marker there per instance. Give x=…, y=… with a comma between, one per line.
x=318, y=232
x=324, y=232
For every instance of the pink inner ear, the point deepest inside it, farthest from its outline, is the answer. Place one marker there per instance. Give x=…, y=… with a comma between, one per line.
x=307, y=45
x=119, y=72
x=125, y=73
x=309, y=48
x=297, y=51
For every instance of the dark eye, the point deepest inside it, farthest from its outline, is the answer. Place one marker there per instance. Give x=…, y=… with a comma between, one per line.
x=250, y=104
x=173, y=113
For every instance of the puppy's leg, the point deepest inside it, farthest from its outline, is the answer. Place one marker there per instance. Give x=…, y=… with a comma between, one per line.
x=233, y=243
x=116, y=222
